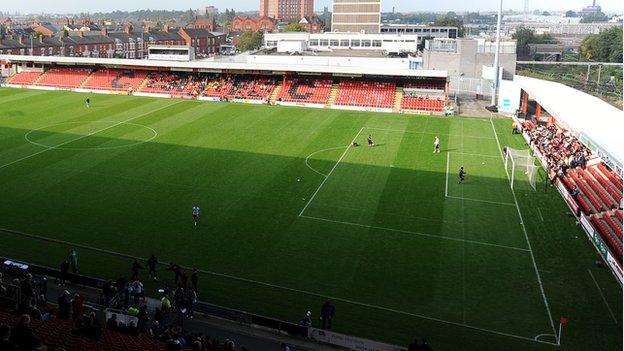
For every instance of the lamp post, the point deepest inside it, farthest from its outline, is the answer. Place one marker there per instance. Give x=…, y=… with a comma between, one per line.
x=496, y=54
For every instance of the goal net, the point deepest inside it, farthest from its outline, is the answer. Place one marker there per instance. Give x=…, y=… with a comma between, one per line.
x=520, y=166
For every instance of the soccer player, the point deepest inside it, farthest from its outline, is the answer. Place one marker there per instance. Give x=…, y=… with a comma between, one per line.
x=436, y=145
x=196, y=212
x=462, y=175
x=88, y=102
x=370, y=140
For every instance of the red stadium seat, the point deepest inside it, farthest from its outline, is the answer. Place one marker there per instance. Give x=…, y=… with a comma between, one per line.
x=312, y=91
x=25, y=78
x=116, y=79
x=366, y=94
x=64, y=77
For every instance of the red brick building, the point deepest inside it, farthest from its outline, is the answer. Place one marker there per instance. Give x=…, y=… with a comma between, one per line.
x=253, y=24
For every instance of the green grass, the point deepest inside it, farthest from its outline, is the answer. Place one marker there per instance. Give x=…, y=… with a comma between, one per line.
x=292, y=217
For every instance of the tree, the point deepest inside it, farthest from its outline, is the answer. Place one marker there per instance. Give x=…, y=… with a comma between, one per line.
x=570, y=13
x=294, y=27
x=450, y=22
x=603, y=47
x=250, y=41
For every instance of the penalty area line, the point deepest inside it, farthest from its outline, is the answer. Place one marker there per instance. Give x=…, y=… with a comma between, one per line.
x=246, y=280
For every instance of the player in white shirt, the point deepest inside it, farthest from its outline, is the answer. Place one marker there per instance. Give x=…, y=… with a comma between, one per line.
x=196, y=213
x=436, y=145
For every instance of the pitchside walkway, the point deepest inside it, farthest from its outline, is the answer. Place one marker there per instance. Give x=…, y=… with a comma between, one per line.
x=253, y=339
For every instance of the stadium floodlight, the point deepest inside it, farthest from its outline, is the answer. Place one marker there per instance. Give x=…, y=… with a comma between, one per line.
x=522, y=162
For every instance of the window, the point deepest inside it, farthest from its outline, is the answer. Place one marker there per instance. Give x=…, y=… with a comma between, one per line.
x=324, y=42
x=366, y=43
x=50, y=51
x=314, y=42
x=334, y=42
x=355, y=42
x=344, y=43
x=376, y=43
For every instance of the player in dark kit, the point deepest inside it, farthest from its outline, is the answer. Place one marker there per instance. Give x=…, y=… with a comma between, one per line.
x=370, y=140
x=88, y=101
x=462, y=174
x=196, y=212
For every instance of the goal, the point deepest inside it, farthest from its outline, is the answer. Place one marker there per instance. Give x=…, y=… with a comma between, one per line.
x=521, y=168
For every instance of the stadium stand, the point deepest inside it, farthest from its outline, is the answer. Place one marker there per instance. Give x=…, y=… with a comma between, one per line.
x=312, y=91
x=251, y=88
x=64, y=77
x=115, y=79
x=25, y=78
x=366, y=94
x=424, y=96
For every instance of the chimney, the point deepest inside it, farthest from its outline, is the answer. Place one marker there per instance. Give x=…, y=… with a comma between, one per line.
x=81, y=34
x=20, y=39
x=105, y=31
x=128, y=28
x=166, y=28
x=146, y=29
x=41, y=39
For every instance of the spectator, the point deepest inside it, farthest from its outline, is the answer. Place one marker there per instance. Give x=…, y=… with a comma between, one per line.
x=285, y=347
x=152, y=262
x=136, y=266
x=165, y=304
x=424, y=346
x=23, y=337
x=194, y=279
x=306, y=320
x=327, y=314
x=73, y=260
x=111, y=323
x=77, y=306
x=64, y=270
x=64, y=305
x=5, y=335
x=138, y=291
x=176, y=271
x=414, y=346
x=191, y=300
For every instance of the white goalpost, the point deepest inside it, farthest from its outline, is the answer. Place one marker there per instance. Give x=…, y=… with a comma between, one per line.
x=521, y=162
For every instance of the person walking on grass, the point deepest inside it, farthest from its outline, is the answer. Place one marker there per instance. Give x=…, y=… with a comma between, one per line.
x=88, y=102
x=73, y=260
x=462, y=175
x=370, y=140
x=152, y=261
x=436, y=145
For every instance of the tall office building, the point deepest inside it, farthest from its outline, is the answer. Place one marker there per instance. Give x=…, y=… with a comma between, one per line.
x=356, y=16
x=287, y=10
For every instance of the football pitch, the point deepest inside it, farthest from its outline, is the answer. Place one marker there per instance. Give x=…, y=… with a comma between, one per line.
x=293, y=215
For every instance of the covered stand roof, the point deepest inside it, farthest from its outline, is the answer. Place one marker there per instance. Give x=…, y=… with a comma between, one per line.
x=596, y=121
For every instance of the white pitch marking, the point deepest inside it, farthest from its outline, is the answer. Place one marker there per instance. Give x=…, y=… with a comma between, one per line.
x=246, y=280
x=330, y=172
x=540, y=214
x=479, y=200
x=316, y=152
x=83, y=136
x=603, y=298
x=526, y=236
x=448, y=163
x=135, y=142
x=414, y=233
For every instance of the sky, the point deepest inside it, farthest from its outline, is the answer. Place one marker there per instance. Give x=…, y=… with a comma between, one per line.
x=77, y=6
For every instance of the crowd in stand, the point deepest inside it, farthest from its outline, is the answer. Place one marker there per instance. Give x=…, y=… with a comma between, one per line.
x=561, y=149
x=124, y=304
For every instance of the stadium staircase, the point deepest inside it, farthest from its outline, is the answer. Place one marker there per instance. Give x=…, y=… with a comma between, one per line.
x=398, y=98
x=332, y=95
x=143, y=83
x=275, y=93
x=84, y=82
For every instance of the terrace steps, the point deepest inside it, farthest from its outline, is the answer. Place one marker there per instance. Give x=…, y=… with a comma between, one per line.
x=398, y=98
x=143, y=83
x=43, y=74
x=332, y=95
x=86, y=80
x=275, y=93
